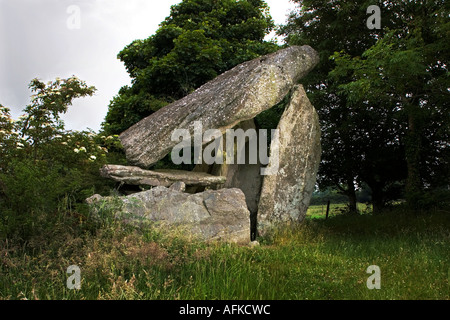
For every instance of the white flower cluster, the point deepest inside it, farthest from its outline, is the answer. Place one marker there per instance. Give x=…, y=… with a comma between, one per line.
x=109, y=137
x=4, y=132
x=19, y=146
x=5, y=116
x=82, y=149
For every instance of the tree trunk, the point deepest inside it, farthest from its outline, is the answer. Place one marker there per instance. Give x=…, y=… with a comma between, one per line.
x=377, y=198
x=413, y=149
x=351, y=193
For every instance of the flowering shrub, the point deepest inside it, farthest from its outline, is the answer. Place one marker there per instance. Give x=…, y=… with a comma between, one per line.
x=45, y=169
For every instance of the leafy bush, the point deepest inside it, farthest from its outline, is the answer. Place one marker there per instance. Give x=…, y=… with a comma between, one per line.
x=45, y=170
x=435, y=199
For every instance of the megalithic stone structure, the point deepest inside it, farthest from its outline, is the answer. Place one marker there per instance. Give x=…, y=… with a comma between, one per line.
x=231, y=100
x=237, y=95
x=285, y=196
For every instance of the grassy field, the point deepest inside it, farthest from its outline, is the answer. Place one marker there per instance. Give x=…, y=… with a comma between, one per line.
x=319, y=211
x=320, y=259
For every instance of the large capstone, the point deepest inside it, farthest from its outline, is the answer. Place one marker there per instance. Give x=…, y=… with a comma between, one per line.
x=237, y=95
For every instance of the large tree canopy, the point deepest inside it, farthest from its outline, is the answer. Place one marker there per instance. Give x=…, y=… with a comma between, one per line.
x=330, y=26
x=381, y=94
x=406, y=74
x=198, y=41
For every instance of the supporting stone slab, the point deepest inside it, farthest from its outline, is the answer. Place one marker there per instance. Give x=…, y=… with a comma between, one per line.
x=165, y=178
x=286, y=195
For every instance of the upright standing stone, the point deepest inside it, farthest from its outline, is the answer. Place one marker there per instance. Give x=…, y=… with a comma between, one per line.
x=285, y=196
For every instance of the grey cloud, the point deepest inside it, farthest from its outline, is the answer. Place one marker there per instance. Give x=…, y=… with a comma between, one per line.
x=36, y=42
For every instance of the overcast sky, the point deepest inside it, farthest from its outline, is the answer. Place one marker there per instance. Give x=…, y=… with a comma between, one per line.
x=44, y=39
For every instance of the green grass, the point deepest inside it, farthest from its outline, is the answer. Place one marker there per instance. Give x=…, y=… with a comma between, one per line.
x=319, y=211
x=319, y=259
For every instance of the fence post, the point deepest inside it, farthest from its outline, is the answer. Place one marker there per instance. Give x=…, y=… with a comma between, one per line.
x=328, y=209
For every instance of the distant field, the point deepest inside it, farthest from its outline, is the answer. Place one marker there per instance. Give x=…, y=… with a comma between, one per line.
x=319, y=211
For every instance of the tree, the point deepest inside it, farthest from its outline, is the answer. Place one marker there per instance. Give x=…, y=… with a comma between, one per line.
x=329, y=27
x=198, y=41
x=44, y=168
x=406, y=73
x=367, y=134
